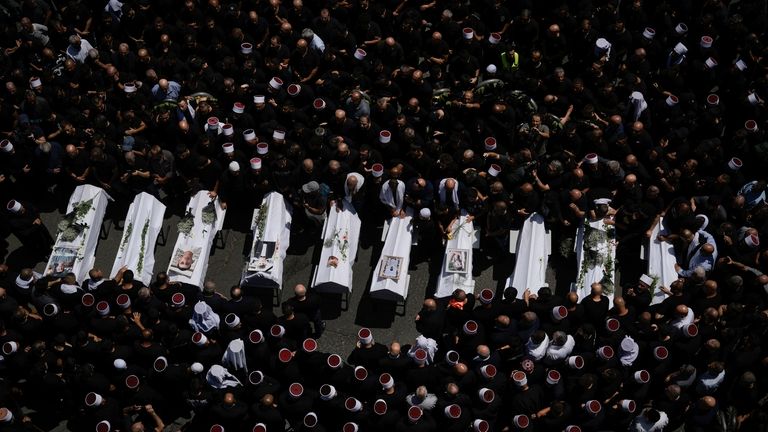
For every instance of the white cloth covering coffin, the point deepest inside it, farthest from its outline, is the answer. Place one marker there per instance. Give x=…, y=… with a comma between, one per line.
x=532, y=256
x=264, y=267
x=661, y=263
x=201, y=236
x=145, y=211
x=397, y=244
x=340, y=235
x=594, y=273
x=85, y=243
x=463, y=237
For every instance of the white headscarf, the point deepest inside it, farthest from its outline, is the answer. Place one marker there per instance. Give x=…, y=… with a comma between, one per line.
x=441, y=192
x=711, y=382
x=204, y=319
x=681, y=323
x=427, y=344
x=114, y=6
x=218, y=377
x=69, y=288
x=537, y=351
x=628, y=357
x=360, y=181
x=93, y=285
x=638, y=104
x=559, y=352
x=234, y=356
x=386, y=196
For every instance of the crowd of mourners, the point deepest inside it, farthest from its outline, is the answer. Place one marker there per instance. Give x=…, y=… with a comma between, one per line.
x=639, y=112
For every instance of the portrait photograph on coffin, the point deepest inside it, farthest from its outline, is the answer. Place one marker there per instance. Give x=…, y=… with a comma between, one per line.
x=262, y=256
x=62, y=262
x=457, y=261
x=184, y=261
x=391, y=267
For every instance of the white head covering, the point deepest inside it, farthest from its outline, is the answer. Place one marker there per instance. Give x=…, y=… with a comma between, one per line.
x=360, y=181
x=218, y=377
x=94, y=284
x=603, y=46
x=234, y=356
x=681, y=323
x=204, y=319
x=629, y=351
x=638, y=104
x=441, y=192
x=427, y=344
x=386, y=196
x=537, y=351
x=561, y=352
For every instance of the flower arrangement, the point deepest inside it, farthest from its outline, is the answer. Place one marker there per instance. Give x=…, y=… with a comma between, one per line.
x=597, y=252
x=186, y=223
x=261, y=220
x=126, y=236
x=140, y=265
x=341, y=240
x=654, y=283
x=209, y=213
x=452, y=234
x=72, y=226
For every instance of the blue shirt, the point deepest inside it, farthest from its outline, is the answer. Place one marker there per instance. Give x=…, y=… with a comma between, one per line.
x=173, y=93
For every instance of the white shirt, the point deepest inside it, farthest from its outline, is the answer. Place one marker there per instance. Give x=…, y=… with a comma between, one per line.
x=79, y=54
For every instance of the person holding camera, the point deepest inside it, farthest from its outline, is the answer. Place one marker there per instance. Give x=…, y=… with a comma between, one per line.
x=534, y=135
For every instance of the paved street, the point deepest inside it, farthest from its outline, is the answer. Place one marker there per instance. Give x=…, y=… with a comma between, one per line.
x=387, y=321
x=226, y=264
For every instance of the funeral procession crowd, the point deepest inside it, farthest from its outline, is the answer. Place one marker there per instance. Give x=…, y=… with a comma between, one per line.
x=645, y=117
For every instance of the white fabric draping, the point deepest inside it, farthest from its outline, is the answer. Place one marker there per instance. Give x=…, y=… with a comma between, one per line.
x=589, y=273
x=264, y=267
x=661, y=263
x=398, y=245
x=463, y=237
x=532, y=257
x=234, y=356
x=341, y=233
x=204, y=319
x=219, y=377
x=137, y=246
x=427, y=344
x=198, y=243
x=81, y=250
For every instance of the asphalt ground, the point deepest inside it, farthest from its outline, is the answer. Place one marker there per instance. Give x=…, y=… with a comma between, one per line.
x=344, y=316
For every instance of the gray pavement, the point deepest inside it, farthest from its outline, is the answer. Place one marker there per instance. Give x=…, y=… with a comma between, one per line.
x=387, y=320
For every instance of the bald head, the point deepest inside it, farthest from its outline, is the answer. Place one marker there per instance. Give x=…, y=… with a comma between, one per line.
x=394, y=348
x=708, y=402
x=430, y=304
x=483, y=350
